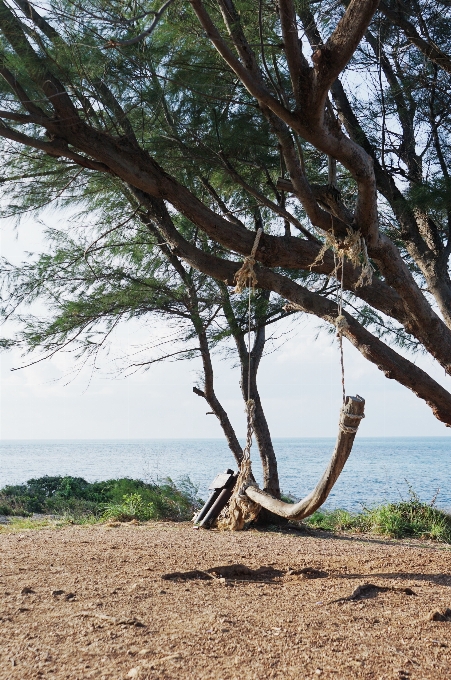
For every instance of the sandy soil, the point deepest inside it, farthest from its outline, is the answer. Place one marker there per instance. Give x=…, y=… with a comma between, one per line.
x=90, y=602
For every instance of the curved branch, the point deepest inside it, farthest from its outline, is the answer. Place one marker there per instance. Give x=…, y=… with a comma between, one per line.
x=350, y=417
x=144, y=34
x=343, y=42
x=392, y=364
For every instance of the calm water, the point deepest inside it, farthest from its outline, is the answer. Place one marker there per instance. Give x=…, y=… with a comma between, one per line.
x=376, y=471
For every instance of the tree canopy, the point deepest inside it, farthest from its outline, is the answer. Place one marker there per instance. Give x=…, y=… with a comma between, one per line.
x=325, y=123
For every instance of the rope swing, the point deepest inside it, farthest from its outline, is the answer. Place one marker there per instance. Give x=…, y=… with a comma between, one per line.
x=357, y=247
x=247, y=499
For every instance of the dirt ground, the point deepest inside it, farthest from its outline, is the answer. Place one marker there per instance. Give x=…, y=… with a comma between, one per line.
x=90, y=602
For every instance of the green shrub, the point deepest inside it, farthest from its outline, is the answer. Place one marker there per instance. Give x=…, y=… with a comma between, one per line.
x=132, y=507
x=410, y=518
x=79, y=499
x=334, y=520
x=166, y=501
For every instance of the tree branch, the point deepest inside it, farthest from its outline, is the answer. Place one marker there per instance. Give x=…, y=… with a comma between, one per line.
x=55, y=148
x=429, y=49
x=338, y=50
x=144, y=34
x=384, y=357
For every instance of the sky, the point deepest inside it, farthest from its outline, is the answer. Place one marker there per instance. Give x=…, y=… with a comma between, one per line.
x=299, y=384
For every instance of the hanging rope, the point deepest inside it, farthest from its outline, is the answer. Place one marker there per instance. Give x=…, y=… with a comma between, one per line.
x=241, y=509
x=340, y=321
x=341, y=324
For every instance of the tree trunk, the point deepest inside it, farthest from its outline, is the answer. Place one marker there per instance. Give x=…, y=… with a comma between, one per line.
x=261, y=428
x=208, y=393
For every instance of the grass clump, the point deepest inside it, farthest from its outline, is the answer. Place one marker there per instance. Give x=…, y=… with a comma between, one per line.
x=334, y=520
x=406, y=519
x=75, y=499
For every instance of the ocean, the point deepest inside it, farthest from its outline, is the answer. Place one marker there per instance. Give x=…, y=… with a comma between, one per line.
x=378, y=470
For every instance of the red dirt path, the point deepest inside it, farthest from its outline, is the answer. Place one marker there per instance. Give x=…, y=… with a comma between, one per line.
x=116, y=618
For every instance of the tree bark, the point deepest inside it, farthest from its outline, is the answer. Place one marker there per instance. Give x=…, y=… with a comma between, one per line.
x=249, y=368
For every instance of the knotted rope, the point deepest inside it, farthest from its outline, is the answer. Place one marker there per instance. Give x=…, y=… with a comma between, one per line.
x=353, y=247
x=241, y=509
x=348, y=429
x=245, y=276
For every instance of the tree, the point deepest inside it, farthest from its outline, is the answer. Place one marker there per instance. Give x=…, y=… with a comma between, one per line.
x=332, y=117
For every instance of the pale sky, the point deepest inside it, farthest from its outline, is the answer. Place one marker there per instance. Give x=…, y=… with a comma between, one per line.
x=299, y=385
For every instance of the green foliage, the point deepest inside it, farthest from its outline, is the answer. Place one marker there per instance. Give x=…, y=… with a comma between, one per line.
x=132, y=507
x=334, y=520
x=120, y=498
x=408, y=518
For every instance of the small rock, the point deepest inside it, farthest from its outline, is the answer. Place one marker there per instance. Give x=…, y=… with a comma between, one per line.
x=27, y=591
x=55, y=593
x=435, y=616
x=70, y=596
x=408, y=591
x=143, y=652
x=133, y=672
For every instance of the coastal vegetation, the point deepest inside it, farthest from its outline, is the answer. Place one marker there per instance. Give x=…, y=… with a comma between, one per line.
x=123, y=499
x=408, y=518
x=74, y=500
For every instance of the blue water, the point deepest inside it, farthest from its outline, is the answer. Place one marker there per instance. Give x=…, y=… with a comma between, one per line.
x=376, y=471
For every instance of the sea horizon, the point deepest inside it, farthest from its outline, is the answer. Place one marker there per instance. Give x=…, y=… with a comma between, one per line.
x=123, y=439
x=379, y=469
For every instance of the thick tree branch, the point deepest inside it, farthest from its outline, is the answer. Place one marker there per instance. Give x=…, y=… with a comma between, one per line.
x=385, y=358
x=38, y=20
x=339, y=48
x=22, y=96
x=38, y=69
x=57, y=148
x=299, y=68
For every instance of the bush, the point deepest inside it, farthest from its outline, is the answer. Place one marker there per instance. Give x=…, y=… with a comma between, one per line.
x=410, y=518
x=334, y=520
x=77, y=498
x=166, y=501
